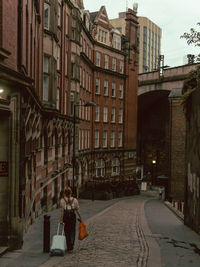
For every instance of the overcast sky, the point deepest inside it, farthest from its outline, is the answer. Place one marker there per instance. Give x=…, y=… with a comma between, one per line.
x=174, y=17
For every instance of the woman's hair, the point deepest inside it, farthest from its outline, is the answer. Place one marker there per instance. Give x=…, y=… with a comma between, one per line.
x=68, y=191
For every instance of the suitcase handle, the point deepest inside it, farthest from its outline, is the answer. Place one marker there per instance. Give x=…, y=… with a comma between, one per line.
x=58, y=229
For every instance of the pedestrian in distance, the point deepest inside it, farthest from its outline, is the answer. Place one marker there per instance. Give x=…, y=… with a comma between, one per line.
x=160, y=192
x=69, y=209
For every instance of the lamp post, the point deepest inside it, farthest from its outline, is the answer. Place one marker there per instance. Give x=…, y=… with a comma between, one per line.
x=87, y=104
x=153, y=171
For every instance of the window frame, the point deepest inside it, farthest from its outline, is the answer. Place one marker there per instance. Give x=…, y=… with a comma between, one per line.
x=105, y=138
x=97, y=86
x=48, y=17
x=46, y=74
x=105, y=91
x=106, y=61
x=105, y=114
x=112, y=139
x=113, y=89
x=96, y=139
x=98, y=59
x=114, y=64
x=113, y=110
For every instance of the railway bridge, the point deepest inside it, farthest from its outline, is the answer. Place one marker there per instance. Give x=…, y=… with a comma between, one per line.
x=162, y=129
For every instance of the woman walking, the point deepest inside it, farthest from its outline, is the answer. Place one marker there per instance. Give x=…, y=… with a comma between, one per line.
x=69, y=208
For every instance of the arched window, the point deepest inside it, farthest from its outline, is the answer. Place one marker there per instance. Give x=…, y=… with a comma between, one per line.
x=100, y=168
x=115, y=166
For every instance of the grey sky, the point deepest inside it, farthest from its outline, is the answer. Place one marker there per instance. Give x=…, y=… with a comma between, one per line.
x=174, y=17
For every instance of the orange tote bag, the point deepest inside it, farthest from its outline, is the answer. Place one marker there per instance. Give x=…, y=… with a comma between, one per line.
x=82, y=231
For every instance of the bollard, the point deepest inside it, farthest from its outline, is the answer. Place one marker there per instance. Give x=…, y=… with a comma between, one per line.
x=46, y=234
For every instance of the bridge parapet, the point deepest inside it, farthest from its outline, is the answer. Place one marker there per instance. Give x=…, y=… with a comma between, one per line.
x=171, y=78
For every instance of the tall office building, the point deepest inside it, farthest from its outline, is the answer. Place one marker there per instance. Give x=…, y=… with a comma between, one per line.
x=148, y=41
x=149, y=35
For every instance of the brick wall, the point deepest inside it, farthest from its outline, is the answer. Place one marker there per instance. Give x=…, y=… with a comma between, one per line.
x=177, y=159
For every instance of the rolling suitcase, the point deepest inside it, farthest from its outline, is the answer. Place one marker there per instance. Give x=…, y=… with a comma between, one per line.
x=58, y=246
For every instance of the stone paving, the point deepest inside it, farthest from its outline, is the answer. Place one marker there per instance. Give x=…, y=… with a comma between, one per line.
x=116, y=239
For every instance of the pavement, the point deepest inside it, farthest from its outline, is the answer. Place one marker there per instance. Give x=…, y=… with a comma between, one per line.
x=179, y=244
x=31, y=254
x=118, y=221
x=118, y=236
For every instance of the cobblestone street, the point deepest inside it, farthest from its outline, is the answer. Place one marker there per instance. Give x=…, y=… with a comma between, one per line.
x=115, y=239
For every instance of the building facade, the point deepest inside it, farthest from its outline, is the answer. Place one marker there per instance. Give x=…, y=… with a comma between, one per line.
x=192, y=177
x=56, y=59
x=148, y=41
x=161, y=148
x=20, y=111
x=149, y=35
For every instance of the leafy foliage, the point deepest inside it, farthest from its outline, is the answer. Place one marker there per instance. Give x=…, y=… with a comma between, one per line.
x=191, y=84
x=193, y=37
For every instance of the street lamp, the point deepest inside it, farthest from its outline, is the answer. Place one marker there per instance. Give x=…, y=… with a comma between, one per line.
x=87, y=104
x=1, y=92
x=153, y=171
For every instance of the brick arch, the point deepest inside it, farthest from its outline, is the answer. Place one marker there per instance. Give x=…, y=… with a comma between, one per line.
x=153, y=132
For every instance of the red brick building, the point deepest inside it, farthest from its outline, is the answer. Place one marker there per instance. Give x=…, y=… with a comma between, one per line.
x=55, y=58
x=20, y=111
x=106, y=142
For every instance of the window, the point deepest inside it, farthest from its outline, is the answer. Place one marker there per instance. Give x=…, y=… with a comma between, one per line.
x=113, y=89
x=96, y=139
x=121, y=66
x=105, y=87
x=121, y=91
x=46, y=16
x=79, y=140
x=99, y=35
x=58, y=57
x=98, y=59
x=66, y=24
x=102, y=34
x=97, y=91
x=115, y=166
x=97, y=113
x=82, y=139
x=105, y=37
x=72, y=104
x=100, y=168
x=73, y=23
x=105, y=114
x=88, y=139
x=83, y=79
x=106, y=61
x=119, y=139
x=112, y=139
x=115, y=41
x=73, y=34
x=58, y=98
x=75, y=30
x=46, y=77
x=89, y=82
x=105, y=133
x=120, y=115
x=59, y=15
x=73, y=66
x=66, y=64
x=86, y=81
x=113, y=115
x=118, y=43
x=114, y=64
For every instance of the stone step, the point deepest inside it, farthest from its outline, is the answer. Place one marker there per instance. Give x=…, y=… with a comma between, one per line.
x=3, y=250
